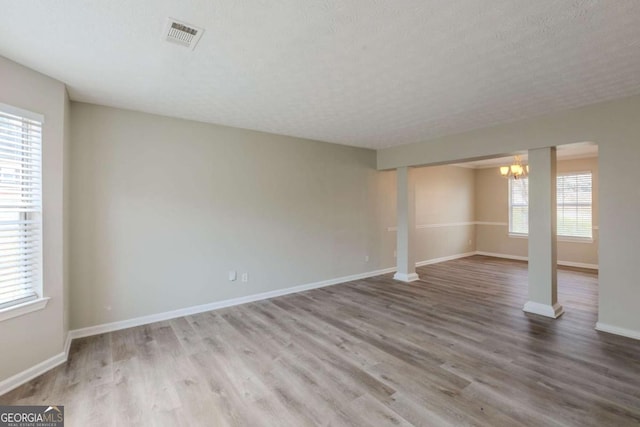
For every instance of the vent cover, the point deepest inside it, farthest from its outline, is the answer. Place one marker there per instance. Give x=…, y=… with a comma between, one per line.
x=181, y=33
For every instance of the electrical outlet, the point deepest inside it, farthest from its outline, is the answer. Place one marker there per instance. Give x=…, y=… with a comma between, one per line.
x=469, y=242
x=366, y=258
x=245, y=277
x=233, y=275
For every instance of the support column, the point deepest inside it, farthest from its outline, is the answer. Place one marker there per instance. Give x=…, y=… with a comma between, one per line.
x=543, y=276
x=406, y=213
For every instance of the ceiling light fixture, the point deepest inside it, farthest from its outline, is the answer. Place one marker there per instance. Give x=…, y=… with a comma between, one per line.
x=516, y=171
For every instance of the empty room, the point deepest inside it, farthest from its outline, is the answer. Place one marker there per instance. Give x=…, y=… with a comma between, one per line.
x=249, y=213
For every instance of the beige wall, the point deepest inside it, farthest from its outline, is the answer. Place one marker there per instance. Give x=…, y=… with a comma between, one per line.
x=615, y=127
x=387, y=213
x=444, y=211
x=35, y=337
x=164, y=208
x=492, y=205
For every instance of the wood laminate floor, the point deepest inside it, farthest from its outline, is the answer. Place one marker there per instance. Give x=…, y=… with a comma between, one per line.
x=452, y=349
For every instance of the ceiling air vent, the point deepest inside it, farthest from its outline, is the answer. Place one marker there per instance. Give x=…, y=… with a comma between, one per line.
x=182, y=33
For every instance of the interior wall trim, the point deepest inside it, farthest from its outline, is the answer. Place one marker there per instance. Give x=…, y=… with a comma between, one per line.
x=616, y=330
x=524, y=258
x=439, y=225
x=553, y=311
x=446, y=224
x=506, y=224
x=167, y=315
x=144, y=320
x=464, y=223
x=443, y=259
x=33, y=372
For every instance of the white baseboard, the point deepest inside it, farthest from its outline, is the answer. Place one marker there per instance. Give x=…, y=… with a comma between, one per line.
x=144, y=320
x=443, y=259
x=403, y=277
x=506, y=256
x=167, y=315
x=629, y=333
x=554, y=311
x=67, y=344
x=29, y=374
x=578, y=265
x=414, y=277
x=524, y=258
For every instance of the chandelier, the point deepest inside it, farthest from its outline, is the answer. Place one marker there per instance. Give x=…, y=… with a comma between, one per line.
x=516, y=171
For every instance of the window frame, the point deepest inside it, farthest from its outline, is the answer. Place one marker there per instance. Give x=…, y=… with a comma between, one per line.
x=560, y=238
x=509, y=208
x=577, y=239
x=37, y=300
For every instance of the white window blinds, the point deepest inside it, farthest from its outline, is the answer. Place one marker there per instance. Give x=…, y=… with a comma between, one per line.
x=519, y=206
x=574, y=205
x=574, y=201
x=20, y=207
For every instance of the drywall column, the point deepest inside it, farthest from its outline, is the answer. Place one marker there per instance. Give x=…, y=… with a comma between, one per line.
x=543, y=277
x=406, y=214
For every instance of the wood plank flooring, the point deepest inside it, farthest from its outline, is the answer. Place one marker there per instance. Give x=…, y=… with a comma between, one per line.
x=452, y=349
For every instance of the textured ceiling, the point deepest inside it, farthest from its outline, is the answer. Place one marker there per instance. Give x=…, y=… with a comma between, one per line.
x=359, y=72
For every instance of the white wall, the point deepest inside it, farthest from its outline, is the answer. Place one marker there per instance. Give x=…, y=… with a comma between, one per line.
x=492, y=205
x=35, y=337
x=615, y=127
x=163, y=208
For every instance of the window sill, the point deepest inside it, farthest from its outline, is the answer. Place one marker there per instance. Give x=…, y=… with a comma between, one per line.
x=24, y=308
x=559, y=238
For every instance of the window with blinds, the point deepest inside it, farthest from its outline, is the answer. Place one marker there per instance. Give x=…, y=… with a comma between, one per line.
x=519, y=206
x=574, y=201
x=574, y=205
x=20, y=206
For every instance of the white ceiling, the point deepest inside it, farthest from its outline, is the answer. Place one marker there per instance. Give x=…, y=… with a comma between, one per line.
x=359, y=72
